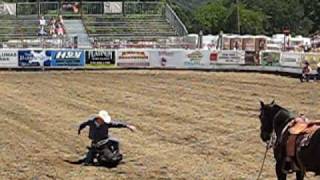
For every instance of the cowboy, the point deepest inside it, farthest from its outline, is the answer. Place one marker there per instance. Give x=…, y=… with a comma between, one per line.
x=306, y=71
x=98, y=130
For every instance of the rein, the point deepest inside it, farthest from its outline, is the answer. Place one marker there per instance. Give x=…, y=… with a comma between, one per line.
x=269, y=145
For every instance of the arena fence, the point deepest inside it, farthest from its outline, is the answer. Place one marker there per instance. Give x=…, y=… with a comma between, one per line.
x=289, y=62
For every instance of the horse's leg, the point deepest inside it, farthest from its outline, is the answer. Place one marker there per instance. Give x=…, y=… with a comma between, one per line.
x=299, y=175
x=280, y=174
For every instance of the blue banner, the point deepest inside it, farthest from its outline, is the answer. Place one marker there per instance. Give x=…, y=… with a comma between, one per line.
x=34, y=58
x=68, y=58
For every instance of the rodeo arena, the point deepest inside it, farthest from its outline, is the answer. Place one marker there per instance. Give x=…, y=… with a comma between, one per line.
x=122, y=90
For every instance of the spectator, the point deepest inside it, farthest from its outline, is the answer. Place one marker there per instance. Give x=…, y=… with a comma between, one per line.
x=42, y=22
x=42, y=31
x=60, y=30
x=306, y=71
x=52, y=28
x=60, y=20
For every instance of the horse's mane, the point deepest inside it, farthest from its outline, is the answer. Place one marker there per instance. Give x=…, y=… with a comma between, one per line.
x=284, y=116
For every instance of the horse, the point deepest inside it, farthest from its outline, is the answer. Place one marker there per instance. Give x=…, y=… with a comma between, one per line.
x=275, y=120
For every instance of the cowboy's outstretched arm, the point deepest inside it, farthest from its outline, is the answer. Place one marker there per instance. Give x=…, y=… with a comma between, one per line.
x=83, y=125
x=119, y=124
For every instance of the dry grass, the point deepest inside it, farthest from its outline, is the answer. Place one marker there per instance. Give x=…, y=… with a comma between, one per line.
x=191, y=125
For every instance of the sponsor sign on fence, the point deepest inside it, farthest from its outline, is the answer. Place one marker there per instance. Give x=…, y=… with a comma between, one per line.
x=100, y=57
x=133, y=58
x=227, y=57
x=8, y=58
x=167, y=58
x=270, y=58
x=67, y=58
x=291, y=59
x=313, y=59
x=196, y=58
x=34, y=58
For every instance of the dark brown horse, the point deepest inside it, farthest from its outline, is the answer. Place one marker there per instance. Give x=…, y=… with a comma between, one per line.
x=274, y=119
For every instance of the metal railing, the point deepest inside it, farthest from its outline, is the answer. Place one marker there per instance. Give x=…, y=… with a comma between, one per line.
x=39, y=42
x=87, y=8
x=143, y=8
x=175, y=21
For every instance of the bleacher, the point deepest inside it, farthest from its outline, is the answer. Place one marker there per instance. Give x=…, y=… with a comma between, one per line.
x=136, y=22
x=13, y=27
x=133, y=28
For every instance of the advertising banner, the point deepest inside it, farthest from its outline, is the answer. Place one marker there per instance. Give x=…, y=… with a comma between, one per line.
x=227, y=57
x=250, y=58
x=34, y=58
x=248, y=44
x=133, y=58
x=270, y=58
x=100, y=57
x=8, y=58
x=197, y=58
x=67, y=58
x=313, y=59
x=167, y=58
x=291, y=59
x=235, y=44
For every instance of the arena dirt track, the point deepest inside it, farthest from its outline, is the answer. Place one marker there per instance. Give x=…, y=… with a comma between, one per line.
x=191, y=125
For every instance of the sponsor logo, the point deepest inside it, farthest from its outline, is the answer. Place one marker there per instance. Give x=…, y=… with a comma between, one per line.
x=195, y=56
x=6, y=56
x=166, y=53
x=163, y=62
x=230, y=57
x=68, y=55
x=214, y=57
x=133, y=55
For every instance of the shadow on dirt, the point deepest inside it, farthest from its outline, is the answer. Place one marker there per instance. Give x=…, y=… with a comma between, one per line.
x=81, y=162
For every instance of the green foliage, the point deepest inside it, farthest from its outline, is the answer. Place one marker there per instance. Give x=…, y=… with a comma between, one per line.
x=212, y=17
x=256, y=16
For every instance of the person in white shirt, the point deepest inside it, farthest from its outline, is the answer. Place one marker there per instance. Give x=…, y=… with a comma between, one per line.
x=42, y=21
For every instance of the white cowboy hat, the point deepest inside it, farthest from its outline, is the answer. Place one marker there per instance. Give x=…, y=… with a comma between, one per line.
x=105, y=116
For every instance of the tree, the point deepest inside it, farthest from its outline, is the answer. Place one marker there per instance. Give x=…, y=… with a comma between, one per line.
x=212, y=17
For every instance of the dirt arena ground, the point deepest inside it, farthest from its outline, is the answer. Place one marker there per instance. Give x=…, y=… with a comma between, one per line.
x=191, y=125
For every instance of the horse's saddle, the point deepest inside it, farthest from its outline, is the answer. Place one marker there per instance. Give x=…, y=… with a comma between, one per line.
x=303, y=129
x=301, y=126
x=300, y=134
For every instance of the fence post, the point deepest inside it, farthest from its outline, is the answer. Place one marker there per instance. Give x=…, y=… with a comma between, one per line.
x=102, y=8
x=123, y=9
x=39, y=9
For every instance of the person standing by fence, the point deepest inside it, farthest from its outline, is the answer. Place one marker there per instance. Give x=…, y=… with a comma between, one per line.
x=306, y=71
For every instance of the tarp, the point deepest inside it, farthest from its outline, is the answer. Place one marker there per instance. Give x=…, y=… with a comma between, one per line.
x=112, y=7
x=8, y=9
